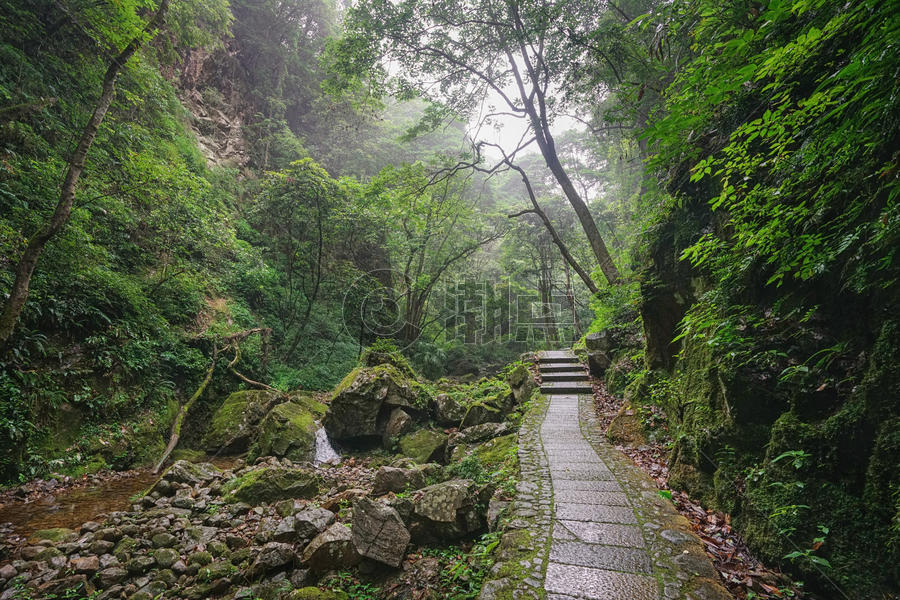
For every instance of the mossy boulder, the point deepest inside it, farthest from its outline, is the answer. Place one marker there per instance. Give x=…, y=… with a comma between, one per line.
x=497, y=451
x=362, y=402
x=55, y=535
x=423, y=445
x=234, y=423
x=449, y=409
x=626, y=427
x=387, y=354
x=289, y=430
x=520, y=383
x=270, y=484
x=481, y=412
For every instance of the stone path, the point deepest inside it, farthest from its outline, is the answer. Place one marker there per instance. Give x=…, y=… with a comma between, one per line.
x=586, y=523
x=597, y=548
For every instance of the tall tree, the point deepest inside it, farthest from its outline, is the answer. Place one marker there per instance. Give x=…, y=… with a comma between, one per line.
x=435, y=226
x=466, y=56
x=18, y=294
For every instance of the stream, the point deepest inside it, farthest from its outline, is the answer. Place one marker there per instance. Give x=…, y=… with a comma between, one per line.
x=71, y=507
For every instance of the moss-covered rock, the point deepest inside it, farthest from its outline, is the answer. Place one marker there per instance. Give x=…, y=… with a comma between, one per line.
x=626, y=427
x=423, y=445
x=480, y=412
x=289, y=430
x=386, y=353
x=361, y=403
x=233, y=425
x=270, y=484
x=496, y=452
x=55, y=534
x=520, y=383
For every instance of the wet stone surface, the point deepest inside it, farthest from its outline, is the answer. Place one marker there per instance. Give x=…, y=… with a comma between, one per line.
x=599, y=584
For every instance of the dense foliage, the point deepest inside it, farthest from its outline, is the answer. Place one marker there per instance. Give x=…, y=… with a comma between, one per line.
x=313, y=180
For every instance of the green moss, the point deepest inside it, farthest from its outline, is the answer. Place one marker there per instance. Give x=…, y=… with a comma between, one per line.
x=95, y=464
x=56, y=534
x=289, y=430
x=188, y=455
x=233, y=416
x=497, y=451
x=422, y=445
x=384, y=352
x=202, y=558
x=270, y=484
x=345, y=383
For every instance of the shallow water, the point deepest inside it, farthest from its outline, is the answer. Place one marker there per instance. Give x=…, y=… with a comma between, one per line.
x=70, y=508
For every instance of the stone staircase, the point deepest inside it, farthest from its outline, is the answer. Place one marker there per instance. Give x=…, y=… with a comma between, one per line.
x=563, y=373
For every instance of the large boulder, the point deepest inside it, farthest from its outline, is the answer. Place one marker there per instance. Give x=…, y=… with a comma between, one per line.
x=272, y=483
x=481, y=412
x=234, y=423
x=423, y=445
x=193, y=474
x=289, y=430
x=397, y=479
x=379, y=532
x=448, y=410
x=449, y=510
x=331, y=549
x=363, y=401
x=520, y=383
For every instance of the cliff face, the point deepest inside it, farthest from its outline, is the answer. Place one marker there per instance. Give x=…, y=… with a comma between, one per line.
x=783, y=408
x=213, y=88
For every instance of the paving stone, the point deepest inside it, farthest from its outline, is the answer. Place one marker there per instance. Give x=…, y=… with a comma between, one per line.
x=599, y=584
x=632, y=560
x=601, y=533
x=592, y=497
x=596, y=513
x=561, y=486
x=583, y=474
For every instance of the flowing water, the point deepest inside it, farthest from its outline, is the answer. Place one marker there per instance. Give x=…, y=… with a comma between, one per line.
x=325, y=452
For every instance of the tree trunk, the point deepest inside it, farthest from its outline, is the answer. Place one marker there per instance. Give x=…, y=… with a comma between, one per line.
x=548, y=149
x=18, y=294
x=179, y=420
x=563, y=249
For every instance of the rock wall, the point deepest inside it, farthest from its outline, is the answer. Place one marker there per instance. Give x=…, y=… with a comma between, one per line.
x=783, y=408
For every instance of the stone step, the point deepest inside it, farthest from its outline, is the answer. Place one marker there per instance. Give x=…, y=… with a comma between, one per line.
x=557, y=357
x=557, y=360
x=570, y=376
x=561, y=368
x=563, y=387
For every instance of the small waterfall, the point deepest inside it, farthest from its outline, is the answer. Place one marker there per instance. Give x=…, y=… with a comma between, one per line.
x=325, y=452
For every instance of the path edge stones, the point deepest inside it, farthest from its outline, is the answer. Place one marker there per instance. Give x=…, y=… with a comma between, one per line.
x=524, y=546
x=679, y=557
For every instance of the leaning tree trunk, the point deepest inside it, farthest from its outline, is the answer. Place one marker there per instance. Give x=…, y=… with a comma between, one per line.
x=18, y=295
x=563, y=249
x=179, y=419
x=601, y=252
